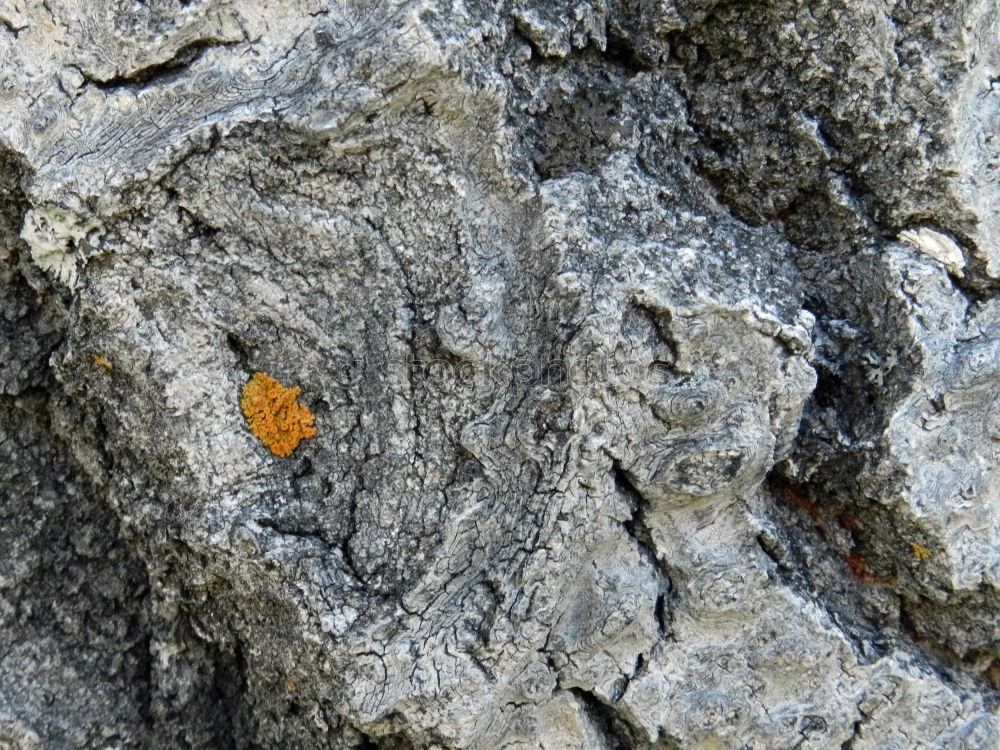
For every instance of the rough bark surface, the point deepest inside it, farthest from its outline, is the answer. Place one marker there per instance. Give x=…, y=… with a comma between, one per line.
x=653, y=350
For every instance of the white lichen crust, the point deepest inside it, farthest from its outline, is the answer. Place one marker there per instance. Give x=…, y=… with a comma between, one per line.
x=54, y=237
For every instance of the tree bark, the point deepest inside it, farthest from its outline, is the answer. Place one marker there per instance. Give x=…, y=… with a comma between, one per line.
x=647, y=359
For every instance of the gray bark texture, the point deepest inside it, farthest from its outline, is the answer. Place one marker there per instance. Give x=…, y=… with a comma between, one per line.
x=653, y=349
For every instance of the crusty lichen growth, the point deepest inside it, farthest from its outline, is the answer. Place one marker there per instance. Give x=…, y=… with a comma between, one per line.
x=274, y=415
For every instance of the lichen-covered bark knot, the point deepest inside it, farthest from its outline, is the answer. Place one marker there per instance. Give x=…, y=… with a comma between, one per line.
x=274, y=415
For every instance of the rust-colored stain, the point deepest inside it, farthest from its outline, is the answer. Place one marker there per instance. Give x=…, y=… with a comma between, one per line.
x=850, y=521
x=858, y=566
x=794, y=497
x=861, y=571
x=274, y=414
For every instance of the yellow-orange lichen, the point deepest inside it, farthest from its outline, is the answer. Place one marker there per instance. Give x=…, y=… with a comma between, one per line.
x=274, y=415
x=103, y=363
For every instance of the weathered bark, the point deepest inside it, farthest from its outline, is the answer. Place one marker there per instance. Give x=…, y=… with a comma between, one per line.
x=653, y=351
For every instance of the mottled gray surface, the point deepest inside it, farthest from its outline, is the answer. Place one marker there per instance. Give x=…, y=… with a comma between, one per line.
x=654, y=350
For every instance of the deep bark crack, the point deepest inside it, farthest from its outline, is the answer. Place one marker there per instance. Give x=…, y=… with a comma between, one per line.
x=157, y=73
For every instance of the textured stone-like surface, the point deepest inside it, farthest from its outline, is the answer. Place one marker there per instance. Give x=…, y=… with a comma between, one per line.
x=652, y=350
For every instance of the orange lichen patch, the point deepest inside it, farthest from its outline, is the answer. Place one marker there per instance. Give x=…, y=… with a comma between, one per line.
x=101, y=362
x=290, y=685
x=922, y=552
x=274, y=414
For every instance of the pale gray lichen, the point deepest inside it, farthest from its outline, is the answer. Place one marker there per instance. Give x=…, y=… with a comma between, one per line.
x=55, y=236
